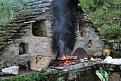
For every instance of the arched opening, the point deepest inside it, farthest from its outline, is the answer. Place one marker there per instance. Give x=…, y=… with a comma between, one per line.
x=80, y=53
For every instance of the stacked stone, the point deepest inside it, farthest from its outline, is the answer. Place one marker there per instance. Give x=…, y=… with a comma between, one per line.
x=18, y=27
x=35, y=8
x=10, y=32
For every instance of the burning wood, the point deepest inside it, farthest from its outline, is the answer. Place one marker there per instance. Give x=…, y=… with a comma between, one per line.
x=65, y=60
x=69, y=62
x=66, y=57
x=65, y=63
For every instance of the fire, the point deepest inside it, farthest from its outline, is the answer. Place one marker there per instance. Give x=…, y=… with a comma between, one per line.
x=67, y=60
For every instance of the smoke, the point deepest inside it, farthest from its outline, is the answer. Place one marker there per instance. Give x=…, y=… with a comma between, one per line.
x=64, y=25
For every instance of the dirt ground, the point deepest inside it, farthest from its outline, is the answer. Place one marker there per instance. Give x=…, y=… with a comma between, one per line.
x=115, y=77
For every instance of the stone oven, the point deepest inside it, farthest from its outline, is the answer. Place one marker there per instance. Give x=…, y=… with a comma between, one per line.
x=36, y=34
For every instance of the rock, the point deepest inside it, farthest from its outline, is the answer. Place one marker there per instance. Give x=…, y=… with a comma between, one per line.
x=92, y=59
x=11, y=70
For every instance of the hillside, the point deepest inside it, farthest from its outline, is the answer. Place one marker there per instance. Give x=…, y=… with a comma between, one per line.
x=105, y=15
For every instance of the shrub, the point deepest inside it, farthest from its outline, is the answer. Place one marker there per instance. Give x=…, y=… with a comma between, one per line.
x=35, y=76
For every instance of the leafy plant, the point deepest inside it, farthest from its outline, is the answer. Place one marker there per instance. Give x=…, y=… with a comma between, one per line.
x=111, y=32
x=36, y=76
x=105, y=15
x=8, y=9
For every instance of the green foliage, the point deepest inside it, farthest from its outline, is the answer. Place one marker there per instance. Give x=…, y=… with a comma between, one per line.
x=111, y=32
x=105, y=14
x=36, y=76
x=85, y=3
x=8, y=9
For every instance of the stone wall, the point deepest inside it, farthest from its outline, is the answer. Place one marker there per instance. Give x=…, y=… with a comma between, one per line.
x=97, y=43
x=37, y=45
x=82, y=74
x=86, y=33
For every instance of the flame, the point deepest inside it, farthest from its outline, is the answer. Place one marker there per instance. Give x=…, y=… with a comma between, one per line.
x=68, y=60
